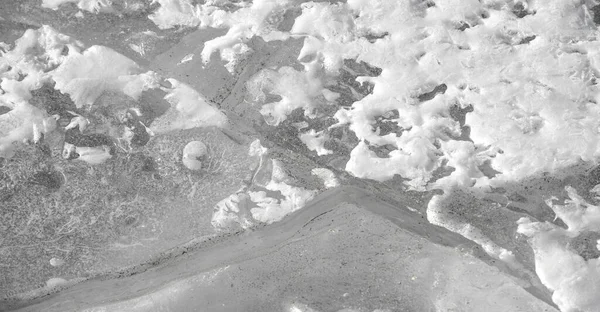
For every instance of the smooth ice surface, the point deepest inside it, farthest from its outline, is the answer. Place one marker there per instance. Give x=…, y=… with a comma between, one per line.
x=346, y=230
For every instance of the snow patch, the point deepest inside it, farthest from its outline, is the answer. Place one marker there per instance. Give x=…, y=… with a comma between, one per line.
x=272, y=210
x=173, y=13
x=93, y=6
x=259, y=18
x=23, y=69
x=296, y=89
x=189, y=109
x=314, y=141
x=328, y=177
x=575, y=282
x=85, y=76
x=227, y=213
x=246, y=206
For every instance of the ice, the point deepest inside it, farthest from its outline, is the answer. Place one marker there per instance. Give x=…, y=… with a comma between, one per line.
x=315, y=141
x=175, y=12
x=328, y=177
x=22, y=69
x=527, y=78
x=93, y=6
x=297, y=89
x=574, y=280
x=85, y=76
x=270, y=210
x=249, y=20
x=189, y=109
x=251, y=204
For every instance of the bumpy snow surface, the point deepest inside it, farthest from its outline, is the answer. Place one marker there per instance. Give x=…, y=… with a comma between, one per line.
x=478, y=116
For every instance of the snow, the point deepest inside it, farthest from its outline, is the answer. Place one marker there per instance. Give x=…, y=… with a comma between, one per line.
x=93, y=6
x=44, y=56
x=517, y=109
x=193, y=154
x=227, y=213
x=314, y=141
x=518, y=89
x=189, y=109
x=247, y=207
x=436, y=215
x=78, y=121
x=250, y=19
x=575, y=282
x=328, y=177
x=296, y=89
x=174, y=12
x=531, y=84
x=85, y=76
x=35, y=53
x=271, y=210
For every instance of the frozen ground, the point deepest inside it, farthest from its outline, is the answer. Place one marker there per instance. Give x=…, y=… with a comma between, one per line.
x=299, y=156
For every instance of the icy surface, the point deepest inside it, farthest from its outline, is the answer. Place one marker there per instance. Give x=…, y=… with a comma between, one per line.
x=483, y=114
x=574, y=280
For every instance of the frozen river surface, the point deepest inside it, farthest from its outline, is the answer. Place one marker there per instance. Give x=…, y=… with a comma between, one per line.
x=286, y=155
